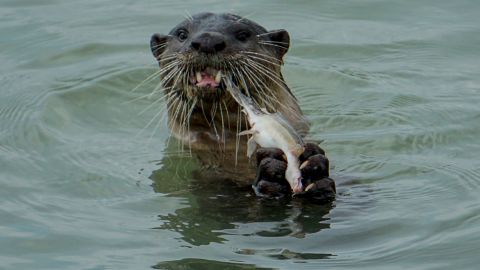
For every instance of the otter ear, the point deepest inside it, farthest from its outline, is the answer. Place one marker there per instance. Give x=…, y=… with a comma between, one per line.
x=157, y=44
x=280, y=40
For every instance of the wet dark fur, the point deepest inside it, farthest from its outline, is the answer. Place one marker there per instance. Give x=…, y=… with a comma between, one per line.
x=208, y=120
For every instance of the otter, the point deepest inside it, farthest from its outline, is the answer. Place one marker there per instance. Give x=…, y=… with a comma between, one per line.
x=194, y=58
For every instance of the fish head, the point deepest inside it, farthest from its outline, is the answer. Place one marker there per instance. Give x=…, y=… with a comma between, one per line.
x=294, y=177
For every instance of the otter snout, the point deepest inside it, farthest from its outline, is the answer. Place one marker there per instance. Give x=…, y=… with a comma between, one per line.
x=208, y=42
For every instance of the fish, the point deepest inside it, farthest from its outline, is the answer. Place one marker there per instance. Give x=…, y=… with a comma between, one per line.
x=271, y=130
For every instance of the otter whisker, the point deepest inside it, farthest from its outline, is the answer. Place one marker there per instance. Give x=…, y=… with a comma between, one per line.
x=238, y=74
x=178, y=76
x=270, y=94
x=172, y=74
x=179, y=119
x=169, y=71
x=149, y=95
x=159, y=45
x=274, y=42
x=228, y=113
x=188, y=16
x=168, y=60
x=166, y=96
x=177, y=102
x=149, y=123
x=269, y=100
x=152, y=76
x=242, y=80
x=245, y=85
x=223, y=125
x=188, y=124
x=245, y=17
x=213, y=112
x=274, y=45
x=183, y=126
x=154, y=117
x=261, y=91
x=264, y=60
x=258, y=83
x=167, y=57
x=157, y=88
x=146, y=80
x=169, y=65
x=156, y=48
x=237, y=137
x=169, y=107
x=269, y=33
x=204, y=114
x=246, y=75
x=178, y=108
x=246, y=122
x=267, y=72
x=263, y=70
x=272, y=58
x=160, y=120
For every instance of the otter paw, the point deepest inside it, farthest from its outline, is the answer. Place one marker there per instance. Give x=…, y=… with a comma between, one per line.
x=266, y=152
x=311, y=149
x=270, y=179
x=322, y=190
x=315, y=167
x=315, y=173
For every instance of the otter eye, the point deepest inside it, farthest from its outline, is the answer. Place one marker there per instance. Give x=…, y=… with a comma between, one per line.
x=242, y=35
x=182, y=34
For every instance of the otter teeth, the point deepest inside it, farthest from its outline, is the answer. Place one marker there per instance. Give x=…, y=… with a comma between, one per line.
x=209, y=77
x=218, y=77
x=199, y=76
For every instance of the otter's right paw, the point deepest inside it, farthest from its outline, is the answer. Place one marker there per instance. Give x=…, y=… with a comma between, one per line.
x=270, y=179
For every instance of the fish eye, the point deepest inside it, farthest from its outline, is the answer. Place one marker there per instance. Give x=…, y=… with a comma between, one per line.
x=242, y=35
x=182, y=34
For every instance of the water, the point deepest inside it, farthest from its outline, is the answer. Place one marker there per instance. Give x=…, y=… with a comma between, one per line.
x=86, y=183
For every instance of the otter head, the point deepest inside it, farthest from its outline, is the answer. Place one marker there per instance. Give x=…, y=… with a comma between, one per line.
x=200, y=51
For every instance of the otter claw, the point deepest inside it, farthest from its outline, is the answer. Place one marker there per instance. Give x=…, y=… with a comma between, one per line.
x=309, y=187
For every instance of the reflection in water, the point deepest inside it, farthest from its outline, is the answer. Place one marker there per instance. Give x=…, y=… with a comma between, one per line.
x=217, y=208
x=285, y=254
x=200, y=264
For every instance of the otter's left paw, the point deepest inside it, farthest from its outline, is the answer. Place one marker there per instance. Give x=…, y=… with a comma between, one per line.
x=315, y=173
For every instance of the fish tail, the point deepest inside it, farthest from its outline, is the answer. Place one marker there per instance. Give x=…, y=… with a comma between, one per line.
x=240, y=98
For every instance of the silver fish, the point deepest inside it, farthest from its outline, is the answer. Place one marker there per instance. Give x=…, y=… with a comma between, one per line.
x=271, y=130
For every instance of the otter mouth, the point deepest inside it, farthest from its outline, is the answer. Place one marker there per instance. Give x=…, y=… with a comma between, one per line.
x=207, y=78
x=203, y=79
x=208, y=82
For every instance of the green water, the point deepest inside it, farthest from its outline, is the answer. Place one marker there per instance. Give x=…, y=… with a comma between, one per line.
x=87, y=181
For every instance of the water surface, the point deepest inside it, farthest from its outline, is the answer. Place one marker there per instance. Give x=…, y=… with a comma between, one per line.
x=88, y=181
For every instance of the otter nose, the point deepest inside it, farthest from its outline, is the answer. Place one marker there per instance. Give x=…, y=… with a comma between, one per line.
x=209, y=43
